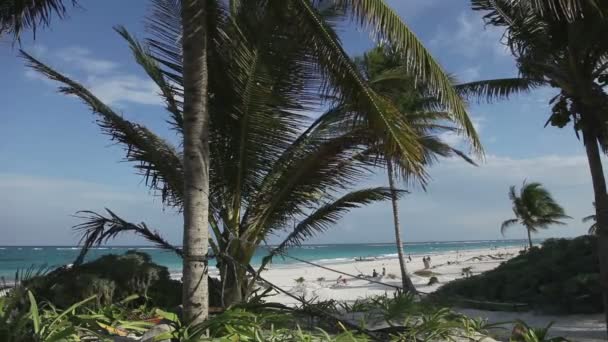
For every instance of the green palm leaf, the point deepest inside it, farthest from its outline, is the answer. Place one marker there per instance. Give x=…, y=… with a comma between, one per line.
x=328, y=214
x=155, y=159
x=98, y=229
x=498, y=89
x=388, y=26
x=18, y=15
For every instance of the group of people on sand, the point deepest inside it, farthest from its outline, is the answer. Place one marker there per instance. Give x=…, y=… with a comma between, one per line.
x=342, y=280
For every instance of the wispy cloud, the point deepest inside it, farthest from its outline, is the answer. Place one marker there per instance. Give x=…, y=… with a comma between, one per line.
x=84, y=59
x=103, y=77
x=470, y=38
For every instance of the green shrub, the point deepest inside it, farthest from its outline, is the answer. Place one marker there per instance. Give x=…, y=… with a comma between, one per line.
x=560, y=277
x=109, y=278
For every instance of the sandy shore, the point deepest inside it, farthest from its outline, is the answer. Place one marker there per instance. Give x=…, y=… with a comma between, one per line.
x=322, y=285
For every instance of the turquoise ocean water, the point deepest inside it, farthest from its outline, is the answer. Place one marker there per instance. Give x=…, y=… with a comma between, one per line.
x=14, y=258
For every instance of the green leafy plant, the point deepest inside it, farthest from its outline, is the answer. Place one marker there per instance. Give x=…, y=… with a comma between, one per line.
x=524, y=333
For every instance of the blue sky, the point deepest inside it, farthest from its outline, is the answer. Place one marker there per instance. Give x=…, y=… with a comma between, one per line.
x=54, y=161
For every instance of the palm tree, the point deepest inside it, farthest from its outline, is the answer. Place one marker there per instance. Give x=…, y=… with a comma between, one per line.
x=264, y=173
x=534, y=208
x=569, y=55
x=340, y=80
x=385, y=70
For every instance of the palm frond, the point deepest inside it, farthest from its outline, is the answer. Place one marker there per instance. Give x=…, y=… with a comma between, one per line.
x=156, y=159
x=98, y=229
x=506, y=224
x=315, y=171
x=329, y=214
x=498, y=89
x=18, y=15
x=387, y=26
x=344, y=82
x=569, y=10
x=588, y=218
x=170, y=92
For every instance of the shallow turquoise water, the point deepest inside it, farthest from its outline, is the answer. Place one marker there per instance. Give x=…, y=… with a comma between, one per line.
x=13, y=258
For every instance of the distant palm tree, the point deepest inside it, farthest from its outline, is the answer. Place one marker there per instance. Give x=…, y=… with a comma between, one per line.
x=593, y=227
x=534, y=208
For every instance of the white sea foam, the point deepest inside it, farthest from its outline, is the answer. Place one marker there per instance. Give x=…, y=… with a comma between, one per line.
x=67, y=248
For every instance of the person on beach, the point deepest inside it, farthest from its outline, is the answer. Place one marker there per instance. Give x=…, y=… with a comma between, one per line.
x=409, y=257
x=383, y=271
x=374, y=273
x=425, y=261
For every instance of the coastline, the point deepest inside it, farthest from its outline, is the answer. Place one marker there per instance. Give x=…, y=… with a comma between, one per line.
x=322, y=284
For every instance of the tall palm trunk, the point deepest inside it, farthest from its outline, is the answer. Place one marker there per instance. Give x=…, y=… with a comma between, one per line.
x=601, y=209
x=408, y=286
x=196, y=161
x=529, y=238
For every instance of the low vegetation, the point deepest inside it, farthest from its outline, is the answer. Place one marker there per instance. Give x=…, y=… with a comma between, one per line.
x=109, y=279
x=561, y=277
x=24, y=318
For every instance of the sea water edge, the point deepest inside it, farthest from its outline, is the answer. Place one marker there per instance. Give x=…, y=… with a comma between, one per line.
x=21, y=258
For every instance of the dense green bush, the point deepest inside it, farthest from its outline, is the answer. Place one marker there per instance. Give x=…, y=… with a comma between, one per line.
x=560, y=277
x=109, y=278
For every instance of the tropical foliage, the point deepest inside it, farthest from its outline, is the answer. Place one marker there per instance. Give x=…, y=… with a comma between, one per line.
x=23, y=318
x=19, y=15
x=386, y=71
x=264, y=173
x=591, y=218
x=568, y=53
x=534, y=208
x=561, y=277
x=109, y=279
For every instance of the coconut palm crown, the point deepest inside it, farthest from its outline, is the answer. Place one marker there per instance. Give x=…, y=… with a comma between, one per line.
x=534, y=208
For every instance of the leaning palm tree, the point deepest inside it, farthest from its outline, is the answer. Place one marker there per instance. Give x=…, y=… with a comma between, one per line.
x=571, y=56
x=534, y=208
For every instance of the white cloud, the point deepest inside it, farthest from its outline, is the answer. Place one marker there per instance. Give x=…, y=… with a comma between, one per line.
x=103, y=77
x=125, y=88
x=83, y=59
x=470, y=38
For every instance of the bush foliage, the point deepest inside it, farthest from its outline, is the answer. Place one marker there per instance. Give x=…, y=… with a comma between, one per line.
x=109, y=278
x=560, y=277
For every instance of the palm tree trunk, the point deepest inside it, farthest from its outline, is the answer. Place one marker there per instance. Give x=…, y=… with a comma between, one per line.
x=195, y=296
x=601, y=210
x=408, y=286
x=529, y=238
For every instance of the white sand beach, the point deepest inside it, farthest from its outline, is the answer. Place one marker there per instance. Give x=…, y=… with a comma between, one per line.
x=447, y=266
x=322, y=284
